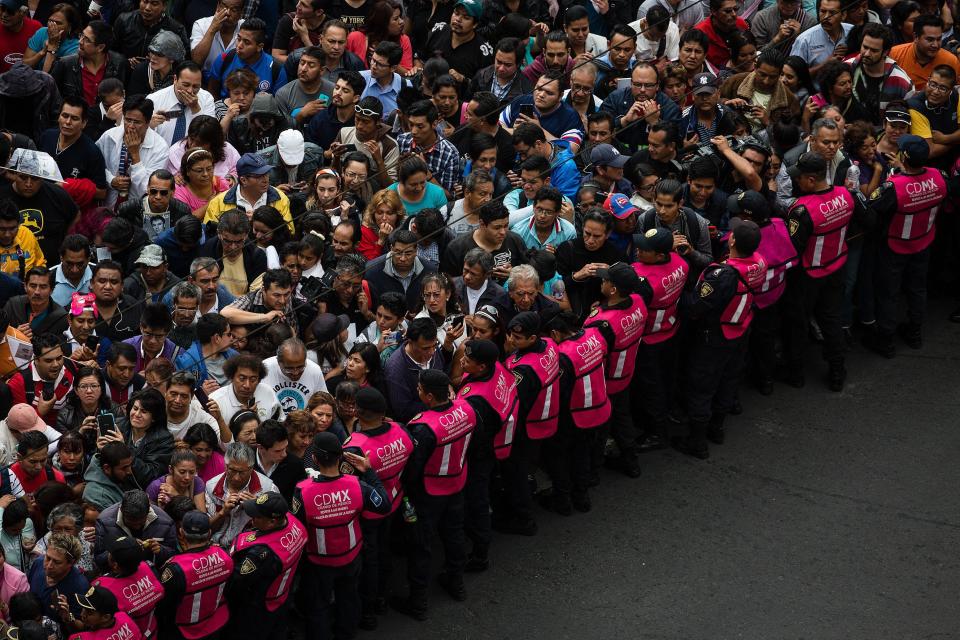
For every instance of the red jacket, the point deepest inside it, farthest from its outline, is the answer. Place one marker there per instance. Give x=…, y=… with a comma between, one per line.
x=719, y=54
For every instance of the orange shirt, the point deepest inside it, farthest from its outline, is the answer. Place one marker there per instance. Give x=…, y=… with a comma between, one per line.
x=906, y=56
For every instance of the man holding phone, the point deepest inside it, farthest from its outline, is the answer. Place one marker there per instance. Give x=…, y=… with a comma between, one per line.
x=47, y=381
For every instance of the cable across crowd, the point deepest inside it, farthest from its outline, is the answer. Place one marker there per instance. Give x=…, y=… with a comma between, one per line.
x=271, y=315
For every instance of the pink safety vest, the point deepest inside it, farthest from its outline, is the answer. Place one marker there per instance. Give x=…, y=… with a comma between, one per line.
x=780, y=254
x=137, y=595
x=667, y=281
x=446, y=470
x=830, y=213
x=288, y=542
x=751, y=274
x=333, y=508
x=203, y=609
x=388, y=454
x=545, y=411
x=627, y=325
x=918, y=202
x=500, y=392
x=589, y=405
x=124, y=628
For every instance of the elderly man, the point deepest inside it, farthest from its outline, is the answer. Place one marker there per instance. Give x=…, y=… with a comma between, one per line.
x=227, y=491
x=271, y=303
x=826, y=139
x=253, y=191
x=159, y=211
x=134, y=516
x=402, y=271
x=292, y=377
x=151, y=281
x=476, y=287
x=526, y=294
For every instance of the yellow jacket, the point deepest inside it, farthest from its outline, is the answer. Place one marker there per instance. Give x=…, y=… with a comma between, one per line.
x=32, y=255
x=228, y=200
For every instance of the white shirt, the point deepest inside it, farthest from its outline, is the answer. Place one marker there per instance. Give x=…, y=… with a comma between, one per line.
x=647, y=49
x=217, y=47
x=473, y=296
x=293, y=394
x=153, y=156
x=195, y=414
x=245, y=205
x=166, y=100
x=263, y=397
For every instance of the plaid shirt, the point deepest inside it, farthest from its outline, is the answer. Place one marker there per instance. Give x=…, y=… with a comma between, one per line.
x=442, y=158
x=253, y=302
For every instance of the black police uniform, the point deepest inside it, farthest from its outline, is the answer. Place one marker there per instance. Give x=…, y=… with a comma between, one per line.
x=481, y=461
x=254, y=570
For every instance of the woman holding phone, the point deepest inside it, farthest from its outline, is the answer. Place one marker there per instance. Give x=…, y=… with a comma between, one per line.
x=144, y=430
x=440, y=305
x=87, y=400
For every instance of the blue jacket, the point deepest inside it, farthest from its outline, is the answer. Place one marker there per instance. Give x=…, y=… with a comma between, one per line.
x=564, y=175
x=192, y=360
x=634, y=135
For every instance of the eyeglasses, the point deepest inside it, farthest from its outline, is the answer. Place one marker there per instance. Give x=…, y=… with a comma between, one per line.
x=939, y=88
x=160, y=192
x=370, y=113
x=88, y=387
x=376, y=63
x=354, y=176
x=644, y=85
x=135, y=123
x=540, y=211
x=433, y=295
x=230, y=243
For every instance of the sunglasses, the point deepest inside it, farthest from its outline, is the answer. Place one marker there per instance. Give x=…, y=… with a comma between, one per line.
x=160, y=192
x=370, y=113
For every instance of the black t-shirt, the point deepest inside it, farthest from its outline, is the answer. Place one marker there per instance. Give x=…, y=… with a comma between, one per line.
x=82, y=159
x=466, y=59
x=506, y=154
x=48, y=214
x=868, y=92
x=572, y=256
x=354, y=17
x=512, y=252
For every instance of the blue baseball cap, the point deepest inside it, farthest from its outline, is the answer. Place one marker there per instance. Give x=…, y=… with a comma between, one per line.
x=251, y=164
x=620, y=206
x=915, y=148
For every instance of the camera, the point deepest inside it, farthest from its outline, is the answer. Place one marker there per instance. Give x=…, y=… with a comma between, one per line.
x=312, y=287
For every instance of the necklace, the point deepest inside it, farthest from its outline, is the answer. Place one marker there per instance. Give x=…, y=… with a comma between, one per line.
x=60, y=149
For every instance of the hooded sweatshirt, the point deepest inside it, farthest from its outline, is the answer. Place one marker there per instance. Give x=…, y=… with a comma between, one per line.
x=241, y=135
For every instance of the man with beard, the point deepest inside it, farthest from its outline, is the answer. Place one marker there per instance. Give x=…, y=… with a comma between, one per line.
x=640, y=106
x=878, y=79
x=503, y=78
x=324, y=125
x=119, y=313
x=555, y=58
x=310, y=92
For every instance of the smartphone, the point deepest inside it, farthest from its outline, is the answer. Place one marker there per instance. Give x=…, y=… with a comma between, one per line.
x=526, y=110
x=348, y=148
x=92, y=342
x=172, y=115
x=202, y=396
x=55, y=595
x=106, y=423
x=48, y=390
x=455, y=320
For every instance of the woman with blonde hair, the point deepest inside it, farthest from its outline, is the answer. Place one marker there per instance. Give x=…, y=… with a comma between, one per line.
x=383, y=215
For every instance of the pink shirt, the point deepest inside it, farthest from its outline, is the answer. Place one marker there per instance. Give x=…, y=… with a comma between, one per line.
x=193, y=201
x=226, y=166
x=357, y=45
x=214, y=467
x=12, y=582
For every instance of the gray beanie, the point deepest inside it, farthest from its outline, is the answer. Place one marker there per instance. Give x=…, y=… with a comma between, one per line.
x=168, y=45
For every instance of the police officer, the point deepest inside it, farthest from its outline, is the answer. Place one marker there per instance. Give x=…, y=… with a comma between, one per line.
x=388, y=447
x=492, y=391
x=193, y=581
x=818, y=222
x=583, y=389
x=435, y=477
x=780, y=255
x=621, y=317
x=133, y=583
x=329, y=505
x=102, y=618
x=666, y=273
x=265, y=559
x=721, y=306
x=907, y=206
x=534, y=365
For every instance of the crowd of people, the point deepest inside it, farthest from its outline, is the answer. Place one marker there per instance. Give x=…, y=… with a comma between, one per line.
x=271, y=316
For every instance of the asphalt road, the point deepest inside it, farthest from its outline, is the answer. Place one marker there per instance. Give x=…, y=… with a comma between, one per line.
x=823, y=516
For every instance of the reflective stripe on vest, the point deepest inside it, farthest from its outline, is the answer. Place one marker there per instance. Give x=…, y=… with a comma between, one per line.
x=667, y=281
x=830, y=214
x=332, y=509
x=287, y=543
x=500, y=392
x=627, y=326
x=780, y=255
x=137, y=595
x=388, y=454
x=202, y=611
x=738, y=314
x=589, y=405
x=445, y=472
x=541, y=421
x=919, y=196
x=124, y=628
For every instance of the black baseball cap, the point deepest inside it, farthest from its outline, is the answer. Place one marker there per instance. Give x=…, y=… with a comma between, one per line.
x=369, y=399
x=746, y=233
x=196, y=523
x=266, y=505
x=750, y=203
x=658, y=239
x=326, y=326
x=99, y=599
x=126, y=551
x=914, y=148
x=525, y=322
x=327, y=443
x=623, y=277
x=809, y=163
x=482, y=351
